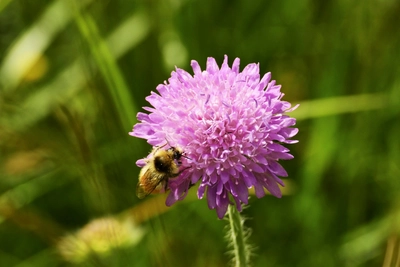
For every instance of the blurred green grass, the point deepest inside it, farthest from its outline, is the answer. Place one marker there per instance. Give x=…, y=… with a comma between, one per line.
x=73, y=74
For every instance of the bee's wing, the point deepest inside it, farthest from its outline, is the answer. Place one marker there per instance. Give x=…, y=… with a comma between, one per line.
x=148, y=182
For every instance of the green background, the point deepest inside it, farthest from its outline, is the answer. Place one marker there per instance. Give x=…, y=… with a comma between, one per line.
x=73, y=75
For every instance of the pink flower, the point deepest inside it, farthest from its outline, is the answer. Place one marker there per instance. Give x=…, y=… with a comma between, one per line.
x=231, y=126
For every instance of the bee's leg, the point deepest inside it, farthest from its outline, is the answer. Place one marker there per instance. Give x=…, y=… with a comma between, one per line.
x=166, y=185
x=190, y=185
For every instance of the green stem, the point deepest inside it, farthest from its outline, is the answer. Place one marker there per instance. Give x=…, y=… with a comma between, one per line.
x=237, y=236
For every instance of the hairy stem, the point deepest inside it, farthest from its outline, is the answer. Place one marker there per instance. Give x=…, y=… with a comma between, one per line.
x=237, y=236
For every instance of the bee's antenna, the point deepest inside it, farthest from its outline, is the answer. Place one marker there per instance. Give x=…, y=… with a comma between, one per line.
x=157, y=148
x=168, y=142
x=185, y=156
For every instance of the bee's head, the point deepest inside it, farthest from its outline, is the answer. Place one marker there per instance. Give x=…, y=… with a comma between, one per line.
x=176, y=152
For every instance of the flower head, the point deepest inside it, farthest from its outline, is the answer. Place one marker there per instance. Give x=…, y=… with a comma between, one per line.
x=231, y=126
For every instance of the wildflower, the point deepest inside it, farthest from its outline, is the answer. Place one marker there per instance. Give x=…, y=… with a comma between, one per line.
x=231, y=126
x=99, y=238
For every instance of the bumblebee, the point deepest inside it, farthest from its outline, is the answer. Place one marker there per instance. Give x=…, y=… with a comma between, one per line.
x=153, y=177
